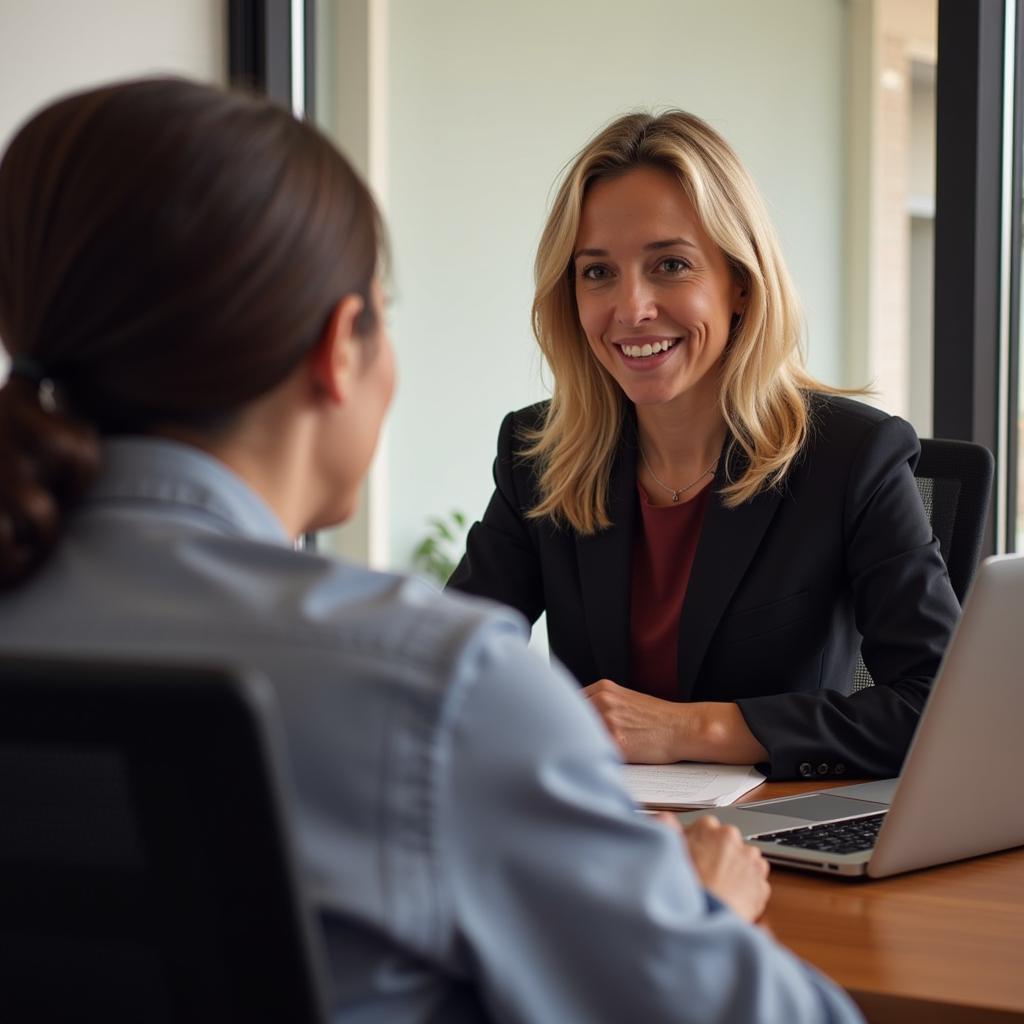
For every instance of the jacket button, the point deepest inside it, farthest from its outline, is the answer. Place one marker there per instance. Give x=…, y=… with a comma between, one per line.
x=806, y=769
x=823, y=768
x=840, y=768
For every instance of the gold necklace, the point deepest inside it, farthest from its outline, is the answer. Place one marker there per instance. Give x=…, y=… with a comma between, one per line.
x=674, y=491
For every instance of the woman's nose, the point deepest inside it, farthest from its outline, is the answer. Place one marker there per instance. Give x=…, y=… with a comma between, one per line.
x=635, y=303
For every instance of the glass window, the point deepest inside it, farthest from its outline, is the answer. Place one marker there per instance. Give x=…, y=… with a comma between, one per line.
x=463, y=114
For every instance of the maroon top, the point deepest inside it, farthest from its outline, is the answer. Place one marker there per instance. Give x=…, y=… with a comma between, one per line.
x=663, y=551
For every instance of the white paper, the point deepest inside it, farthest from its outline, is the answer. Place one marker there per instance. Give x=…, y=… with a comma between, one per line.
x=690, y=785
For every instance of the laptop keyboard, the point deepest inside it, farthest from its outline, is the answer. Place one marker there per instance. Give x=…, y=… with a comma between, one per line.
x=853, y=835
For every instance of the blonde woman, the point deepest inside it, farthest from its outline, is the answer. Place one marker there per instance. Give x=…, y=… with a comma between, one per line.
x=710, y=531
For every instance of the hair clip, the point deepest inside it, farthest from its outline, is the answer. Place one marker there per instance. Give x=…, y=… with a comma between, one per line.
x=33, y=371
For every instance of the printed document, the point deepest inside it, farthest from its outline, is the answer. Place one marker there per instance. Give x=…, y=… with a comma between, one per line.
x=689, y=785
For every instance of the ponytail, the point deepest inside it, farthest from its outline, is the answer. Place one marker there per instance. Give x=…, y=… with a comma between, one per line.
x=48, y=460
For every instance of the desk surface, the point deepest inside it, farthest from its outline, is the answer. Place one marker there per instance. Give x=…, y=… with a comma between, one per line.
x=940, y=945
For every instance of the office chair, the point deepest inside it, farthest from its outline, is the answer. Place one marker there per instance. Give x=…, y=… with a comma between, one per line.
x=145, y=867
x=954, y=479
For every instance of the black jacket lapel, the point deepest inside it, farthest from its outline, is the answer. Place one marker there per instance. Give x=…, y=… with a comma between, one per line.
x=729, y=541
x=604, y=565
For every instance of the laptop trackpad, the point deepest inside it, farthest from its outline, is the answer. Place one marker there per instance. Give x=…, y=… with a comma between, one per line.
x=819, y=807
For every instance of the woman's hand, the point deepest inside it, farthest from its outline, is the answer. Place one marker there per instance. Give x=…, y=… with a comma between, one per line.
x=734, y=871
x=648, y=730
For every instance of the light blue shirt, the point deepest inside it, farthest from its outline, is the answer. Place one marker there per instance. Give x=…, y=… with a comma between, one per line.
x=463, y=830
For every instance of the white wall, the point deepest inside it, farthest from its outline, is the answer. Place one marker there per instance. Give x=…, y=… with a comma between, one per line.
x=50, y=47
x=487, y=101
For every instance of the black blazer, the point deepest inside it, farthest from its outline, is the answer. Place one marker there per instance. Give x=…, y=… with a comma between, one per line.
x=782, y=591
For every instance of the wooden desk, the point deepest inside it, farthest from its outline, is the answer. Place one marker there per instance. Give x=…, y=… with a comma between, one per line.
x=935, y=946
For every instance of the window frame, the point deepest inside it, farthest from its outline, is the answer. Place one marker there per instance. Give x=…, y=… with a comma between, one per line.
x=979, y=112
x=263, y=47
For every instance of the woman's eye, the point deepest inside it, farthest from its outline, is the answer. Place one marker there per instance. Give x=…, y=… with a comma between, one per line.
x=674, y=265
x=595, y=272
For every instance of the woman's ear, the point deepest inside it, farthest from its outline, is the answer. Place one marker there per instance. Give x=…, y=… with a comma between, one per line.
x=335, y=359
x=740, y=293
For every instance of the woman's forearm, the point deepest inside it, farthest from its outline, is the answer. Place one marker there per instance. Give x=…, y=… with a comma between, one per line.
x=717, y=732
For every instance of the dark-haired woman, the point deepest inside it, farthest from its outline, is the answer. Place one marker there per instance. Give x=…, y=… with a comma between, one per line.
x=188, y=288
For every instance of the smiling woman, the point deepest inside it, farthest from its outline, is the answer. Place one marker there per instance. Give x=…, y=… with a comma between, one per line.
x=669, y=187
x=688, y=478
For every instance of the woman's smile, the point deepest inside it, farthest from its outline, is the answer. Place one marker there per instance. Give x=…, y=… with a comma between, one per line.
x=646, y=353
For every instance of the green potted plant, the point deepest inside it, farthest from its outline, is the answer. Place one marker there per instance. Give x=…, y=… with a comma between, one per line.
x=439, y=551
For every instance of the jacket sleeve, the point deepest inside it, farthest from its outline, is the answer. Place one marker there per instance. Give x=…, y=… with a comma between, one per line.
x=562, y=901
x=501, y=560
x=904, y=608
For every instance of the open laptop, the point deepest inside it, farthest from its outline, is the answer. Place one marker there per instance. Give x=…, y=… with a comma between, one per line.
x=959, y=794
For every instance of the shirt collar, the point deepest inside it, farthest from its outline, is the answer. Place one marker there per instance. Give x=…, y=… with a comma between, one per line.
x=165, y=472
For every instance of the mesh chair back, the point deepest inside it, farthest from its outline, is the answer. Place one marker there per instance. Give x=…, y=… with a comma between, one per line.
x=145, y=871
x=954, y=479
